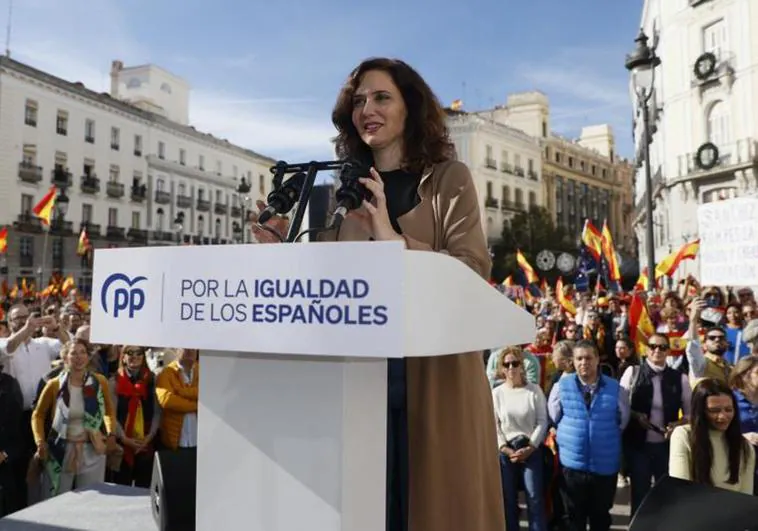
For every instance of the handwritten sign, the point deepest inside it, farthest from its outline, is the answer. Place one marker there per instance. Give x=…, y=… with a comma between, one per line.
x=729, y=242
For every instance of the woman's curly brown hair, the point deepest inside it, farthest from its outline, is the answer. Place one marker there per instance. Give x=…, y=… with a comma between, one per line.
x=426, y=137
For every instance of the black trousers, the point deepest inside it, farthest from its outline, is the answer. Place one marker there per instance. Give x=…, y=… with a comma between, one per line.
x=397, y=448
x=27, y=448
x=588, y=498
x=140, y=473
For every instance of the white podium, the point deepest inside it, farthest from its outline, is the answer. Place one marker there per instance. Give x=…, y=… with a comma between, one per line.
x=294, y=341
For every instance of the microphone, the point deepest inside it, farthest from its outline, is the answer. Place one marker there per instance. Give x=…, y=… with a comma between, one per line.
x=281, y=200
x=351, y=193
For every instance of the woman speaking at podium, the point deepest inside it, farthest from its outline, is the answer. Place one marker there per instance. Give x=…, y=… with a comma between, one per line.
x=442, y=456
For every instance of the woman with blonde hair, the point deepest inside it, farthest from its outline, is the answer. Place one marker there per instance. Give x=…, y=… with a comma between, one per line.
x=522, y=422
x=79, y=400
x=744, y=383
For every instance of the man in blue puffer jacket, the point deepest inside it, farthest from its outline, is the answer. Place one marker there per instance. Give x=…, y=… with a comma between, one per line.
x=590, y=411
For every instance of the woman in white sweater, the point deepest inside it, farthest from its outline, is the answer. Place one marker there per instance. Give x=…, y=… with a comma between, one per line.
x=522, y=421
x=711, y=449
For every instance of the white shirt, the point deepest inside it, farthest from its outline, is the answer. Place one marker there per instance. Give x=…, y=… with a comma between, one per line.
x=188, y=436
x=29, y=363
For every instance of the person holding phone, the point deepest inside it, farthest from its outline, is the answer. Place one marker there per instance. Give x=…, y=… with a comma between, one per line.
x=388, y=119
x=658, y=394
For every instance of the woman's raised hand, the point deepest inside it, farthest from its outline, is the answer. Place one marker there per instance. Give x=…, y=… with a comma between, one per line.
x=277, y=223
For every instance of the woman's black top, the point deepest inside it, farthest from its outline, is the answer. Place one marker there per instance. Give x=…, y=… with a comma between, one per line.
x=401, y=190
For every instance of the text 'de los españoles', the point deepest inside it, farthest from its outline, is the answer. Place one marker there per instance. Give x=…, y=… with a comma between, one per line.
x=281, y=301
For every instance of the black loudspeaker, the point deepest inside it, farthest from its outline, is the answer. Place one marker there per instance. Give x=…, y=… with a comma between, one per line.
x=173, y=489
x=677, y=504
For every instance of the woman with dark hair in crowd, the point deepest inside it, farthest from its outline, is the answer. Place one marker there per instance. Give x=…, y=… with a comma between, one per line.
x=711, y=449
x=137, y=416
x=389, y=120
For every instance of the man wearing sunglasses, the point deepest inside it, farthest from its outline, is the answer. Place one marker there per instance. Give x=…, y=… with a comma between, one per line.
x=707, y=360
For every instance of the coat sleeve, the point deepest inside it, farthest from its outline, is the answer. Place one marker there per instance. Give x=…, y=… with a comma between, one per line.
x=169, y=400
x=461, y=231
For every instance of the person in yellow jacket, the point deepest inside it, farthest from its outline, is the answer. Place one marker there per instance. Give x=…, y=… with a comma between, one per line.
x=177, y=390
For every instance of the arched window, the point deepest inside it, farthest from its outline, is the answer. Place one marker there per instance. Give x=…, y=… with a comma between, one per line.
x=719, y=124
x=218, y=228
x=200, y=227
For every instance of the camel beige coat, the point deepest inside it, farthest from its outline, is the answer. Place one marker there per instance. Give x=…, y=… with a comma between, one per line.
x=454, y=469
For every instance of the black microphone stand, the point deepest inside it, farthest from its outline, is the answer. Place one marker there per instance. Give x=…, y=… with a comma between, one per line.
x=311, y=169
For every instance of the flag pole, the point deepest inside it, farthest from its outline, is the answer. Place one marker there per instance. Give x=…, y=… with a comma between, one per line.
x=44, y=254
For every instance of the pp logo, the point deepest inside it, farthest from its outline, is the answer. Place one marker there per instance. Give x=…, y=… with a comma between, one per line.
x=125, y=298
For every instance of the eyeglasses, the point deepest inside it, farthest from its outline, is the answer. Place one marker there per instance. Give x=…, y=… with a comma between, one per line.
x=657, y=346
x=716, y=338
x=511, y=364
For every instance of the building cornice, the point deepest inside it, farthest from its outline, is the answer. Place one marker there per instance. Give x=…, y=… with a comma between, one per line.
x=474, y=122
x=105, y=102
x=153, y=162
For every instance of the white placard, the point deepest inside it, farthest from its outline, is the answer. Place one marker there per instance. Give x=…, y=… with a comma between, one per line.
x=308, y=299
x=728, y=242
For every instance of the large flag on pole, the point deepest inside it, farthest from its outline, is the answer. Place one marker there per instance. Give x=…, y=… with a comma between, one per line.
x=44, y=209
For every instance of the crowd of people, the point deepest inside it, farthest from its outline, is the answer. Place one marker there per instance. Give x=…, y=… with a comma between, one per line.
x=599, y=402
x=74, y=414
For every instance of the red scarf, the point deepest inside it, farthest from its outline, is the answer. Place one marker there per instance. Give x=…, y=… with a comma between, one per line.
x=136, y=392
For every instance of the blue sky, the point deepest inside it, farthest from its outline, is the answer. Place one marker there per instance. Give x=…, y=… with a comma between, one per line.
x=265, y=75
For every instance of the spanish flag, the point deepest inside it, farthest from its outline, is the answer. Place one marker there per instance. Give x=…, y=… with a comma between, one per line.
x=457, y=105
x=508, y=282
x=592, y=238
x=68, y=285
x=670, y=264
x=563, y=300
x=84, y=243
x=3, y=240
x=640, y=325
x=609, y=251
x=44, y=209
x=531, y=276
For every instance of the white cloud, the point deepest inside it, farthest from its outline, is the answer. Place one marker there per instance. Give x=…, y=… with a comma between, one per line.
x=77, y=40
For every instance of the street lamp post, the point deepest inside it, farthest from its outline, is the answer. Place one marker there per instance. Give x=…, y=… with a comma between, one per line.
x=243, y=189
x=179, y=227
x=61, y=209
x=642, y=63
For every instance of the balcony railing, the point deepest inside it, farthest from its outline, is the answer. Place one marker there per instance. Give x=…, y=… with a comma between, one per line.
x=220, y=208
x=29, y=173
x=490, y=202
x=139, y=192
x=61, y=177
x=533, y=175
x=59, y=226
x=236, y=212
x=518, y=170
x=162, y=198
x=93, y=229
x=183, y=201
x=203, y=205
x=137, y=235
x=736, y=155
x=29, y=223
x=114, y=189
x=115, y=233
x=490, y=163
x=90, y=184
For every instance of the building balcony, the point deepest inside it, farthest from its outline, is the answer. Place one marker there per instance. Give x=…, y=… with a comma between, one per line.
x=236, y=212
x=115, y=233
x=93, y=229
x=164, y=236
x=490, y=202
x=203, y=205
x=518, y=170
x=533, y=175
x=490, y=163
x=183, y=201
x=506, y=167
x=706, y=162
x=221, y=209
x=115, y=190
x=29, y=173
x=60, y=226
x=137, y=235
x=139, y=193
x=90, y=184
x=519, y=205
x=28, y=223
x=162, y=198
x=61, y=178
